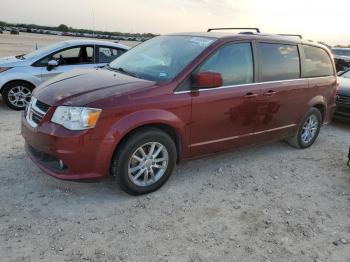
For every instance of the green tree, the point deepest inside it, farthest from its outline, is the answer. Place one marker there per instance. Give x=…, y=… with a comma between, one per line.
x=63, y=28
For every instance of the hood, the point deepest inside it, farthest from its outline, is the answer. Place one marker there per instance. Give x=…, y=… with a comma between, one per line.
x=344, y=86
x=83, y=86
x=12, y=61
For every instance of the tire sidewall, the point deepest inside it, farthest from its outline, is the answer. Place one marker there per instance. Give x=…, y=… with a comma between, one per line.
x=317, y=113
x=121, y=169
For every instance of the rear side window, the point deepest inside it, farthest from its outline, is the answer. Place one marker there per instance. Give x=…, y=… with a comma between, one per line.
x=234, y=62
x=317, y=62
x=279, y=61
x=108, y=54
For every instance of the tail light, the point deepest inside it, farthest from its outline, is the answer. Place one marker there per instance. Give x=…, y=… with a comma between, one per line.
x=337, y=85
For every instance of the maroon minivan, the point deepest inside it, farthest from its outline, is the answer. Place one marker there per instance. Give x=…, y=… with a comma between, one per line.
x=177, y=97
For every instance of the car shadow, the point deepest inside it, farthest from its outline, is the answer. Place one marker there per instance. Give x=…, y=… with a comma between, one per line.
x=341, y=123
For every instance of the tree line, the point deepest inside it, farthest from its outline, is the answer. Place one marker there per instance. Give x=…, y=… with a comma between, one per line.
x=64, y=28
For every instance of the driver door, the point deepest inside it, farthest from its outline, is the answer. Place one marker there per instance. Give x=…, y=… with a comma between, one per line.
x=224, y=117
x=68, y=59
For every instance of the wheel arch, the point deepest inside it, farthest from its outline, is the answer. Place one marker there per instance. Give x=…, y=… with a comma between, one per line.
x=319, y=102
x=322, y=108
x=164, y=120
x=16, y=80
x=166, y=128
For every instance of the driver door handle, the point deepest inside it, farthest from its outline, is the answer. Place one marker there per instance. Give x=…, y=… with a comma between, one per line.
x=269, y=93
x=250, y=95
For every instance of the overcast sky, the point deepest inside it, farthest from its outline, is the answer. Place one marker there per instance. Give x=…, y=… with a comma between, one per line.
x=313, y=19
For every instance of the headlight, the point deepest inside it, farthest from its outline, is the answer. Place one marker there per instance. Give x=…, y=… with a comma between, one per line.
x=3, y=69
x=76, y=118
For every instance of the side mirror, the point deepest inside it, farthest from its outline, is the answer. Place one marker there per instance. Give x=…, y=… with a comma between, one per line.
x=207, y=80
x=51, y=64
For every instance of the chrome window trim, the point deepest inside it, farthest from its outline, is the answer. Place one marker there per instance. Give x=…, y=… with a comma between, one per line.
x=236, y=137
x=250, y=84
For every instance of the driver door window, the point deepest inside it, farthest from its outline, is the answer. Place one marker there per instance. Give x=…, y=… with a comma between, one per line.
x=72, y=56
x=234, y=62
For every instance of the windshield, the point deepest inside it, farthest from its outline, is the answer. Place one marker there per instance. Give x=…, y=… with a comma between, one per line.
x=346, y=74
x=162, y=58
x=43, y=51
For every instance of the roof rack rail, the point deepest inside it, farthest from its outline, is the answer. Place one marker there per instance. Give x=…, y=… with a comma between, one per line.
x=300, y=36
x=234, y=28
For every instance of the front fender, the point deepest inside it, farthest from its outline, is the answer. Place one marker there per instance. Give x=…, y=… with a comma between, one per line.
x=145, y=117
x=18, y=76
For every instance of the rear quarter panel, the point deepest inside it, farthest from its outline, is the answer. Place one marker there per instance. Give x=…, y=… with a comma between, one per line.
x=324, y=92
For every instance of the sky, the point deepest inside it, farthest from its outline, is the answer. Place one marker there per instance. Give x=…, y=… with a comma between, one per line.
x=313, y=19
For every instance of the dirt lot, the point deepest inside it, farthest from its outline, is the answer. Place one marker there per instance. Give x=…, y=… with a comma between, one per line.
x=269, y=203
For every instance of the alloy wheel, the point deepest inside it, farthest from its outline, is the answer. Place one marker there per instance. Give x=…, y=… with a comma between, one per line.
x=148, y=164
x=19, y=96
x=309, y=130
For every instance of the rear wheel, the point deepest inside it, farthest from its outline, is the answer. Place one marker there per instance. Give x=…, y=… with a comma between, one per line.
x=17, y=94
x=144, y=161
x=308, y=129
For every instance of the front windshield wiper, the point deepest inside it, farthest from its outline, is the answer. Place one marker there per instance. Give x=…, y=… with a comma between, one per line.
x=20, y=56
x=123, y=71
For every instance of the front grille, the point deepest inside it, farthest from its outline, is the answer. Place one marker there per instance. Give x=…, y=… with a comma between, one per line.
x=48, y=160
x=343, y=99
x=36, y=119
x=36, y=111
x=42, y=106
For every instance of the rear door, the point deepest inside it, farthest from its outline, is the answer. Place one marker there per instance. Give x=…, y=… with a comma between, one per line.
x=224, y=117
x=284, y=93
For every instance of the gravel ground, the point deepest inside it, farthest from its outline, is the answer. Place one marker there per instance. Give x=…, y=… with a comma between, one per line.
x=268, y=203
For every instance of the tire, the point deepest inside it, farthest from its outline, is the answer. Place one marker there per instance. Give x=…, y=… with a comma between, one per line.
x=22, y=89
x=310, y=124
x=130, y=167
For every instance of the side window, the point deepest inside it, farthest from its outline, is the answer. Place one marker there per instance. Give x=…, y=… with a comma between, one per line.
x=279, y=61
x=71, y=56
x=317, y=62
x=234, y=62
x=108, y=54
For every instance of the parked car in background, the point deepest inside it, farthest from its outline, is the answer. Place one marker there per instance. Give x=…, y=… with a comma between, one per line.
x=1, y=30
x=343, y=97
x=342, y=58
x=177, y=97
x=19, y=75
x=14, y=31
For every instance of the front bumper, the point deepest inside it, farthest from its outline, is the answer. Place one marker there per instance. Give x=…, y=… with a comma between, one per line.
x=342, y=111
x=83, y=155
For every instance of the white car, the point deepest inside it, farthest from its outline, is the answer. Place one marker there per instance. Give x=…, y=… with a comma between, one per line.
x=19, y=75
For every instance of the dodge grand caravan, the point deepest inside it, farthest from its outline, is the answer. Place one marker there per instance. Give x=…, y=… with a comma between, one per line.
x=178, y=97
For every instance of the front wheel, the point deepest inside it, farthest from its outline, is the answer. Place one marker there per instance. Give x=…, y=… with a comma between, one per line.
x=144, y=161
x=17, y=94
x=308, y=131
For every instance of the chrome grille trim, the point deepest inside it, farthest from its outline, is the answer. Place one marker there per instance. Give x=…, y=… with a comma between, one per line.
x=343, y=99
x=34, y=115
